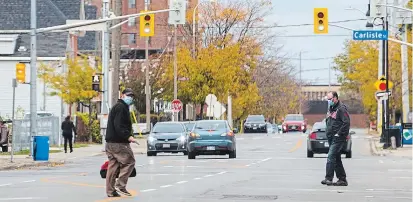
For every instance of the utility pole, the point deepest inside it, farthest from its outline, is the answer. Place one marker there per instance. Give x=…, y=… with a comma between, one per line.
x=105, y=69
x=175, y=70
x=33, y=73
x=301, y=87
x=147, y=85
x=405, y=76
x=386, y=71
x=329, y=76
x=116, y=40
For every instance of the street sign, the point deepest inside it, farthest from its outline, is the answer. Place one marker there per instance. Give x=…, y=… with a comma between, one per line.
x=176, y=105
x=383, y=95
x=363, y=35
x=380, y=84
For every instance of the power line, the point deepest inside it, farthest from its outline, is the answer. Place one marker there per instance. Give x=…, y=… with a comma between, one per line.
x=313, y=35
x=324, y=58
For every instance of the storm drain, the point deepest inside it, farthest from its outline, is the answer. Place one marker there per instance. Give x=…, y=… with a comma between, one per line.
x=251, y=197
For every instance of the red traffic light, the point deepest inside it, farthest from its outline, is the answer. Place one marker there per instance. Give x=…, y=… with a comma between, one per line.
x=147, y=17
x=320, y=15
x=382, y=86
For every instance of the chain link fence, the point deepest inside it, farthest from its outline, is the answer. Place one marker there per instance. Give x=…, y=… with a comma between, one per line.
x=46, y=126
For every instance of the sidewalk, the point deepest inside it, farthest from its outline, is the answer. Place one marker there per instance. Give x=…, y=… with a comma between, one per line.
x=57, y=159
x=377, y=149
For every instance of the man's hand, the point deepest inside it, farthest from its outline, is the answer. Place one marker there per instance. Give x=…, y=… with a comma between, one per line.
x=131, y=139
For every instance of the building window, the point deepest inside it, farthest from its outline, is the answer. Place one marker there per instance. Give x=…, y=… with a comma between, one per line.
x=131, y=38
x=132, y=3
x=132, y=22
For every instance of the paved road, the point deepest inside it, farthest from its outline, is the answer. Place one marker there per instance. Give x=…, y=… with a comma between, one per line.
x=267, y=168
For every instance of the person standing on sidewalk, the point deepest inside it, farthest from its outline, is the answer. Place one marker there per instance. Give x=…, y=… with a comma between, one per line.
x=67, y=128
x=118, y=139
x=338, y=127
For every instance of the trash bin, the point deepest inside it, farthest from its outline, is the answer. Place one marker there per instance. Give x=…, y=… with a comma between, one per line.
x=41, y=148
x=396, y=132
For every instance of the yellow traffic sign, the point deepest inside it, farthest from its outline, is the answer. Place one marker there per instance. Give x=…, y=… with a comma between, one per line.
x=380, y=84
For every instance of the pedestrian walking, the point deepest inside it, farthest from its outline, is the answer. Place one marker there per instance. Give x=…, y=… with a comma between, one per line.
x=338, y=127
x=118, y=139
x=67, y=128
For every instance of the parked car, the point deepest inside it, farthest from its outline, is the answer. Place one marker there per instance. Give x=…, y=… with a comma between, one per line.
x=167, y=137
x=212, y=137
x=317, y=142
x=255, y=124
x=294, y=122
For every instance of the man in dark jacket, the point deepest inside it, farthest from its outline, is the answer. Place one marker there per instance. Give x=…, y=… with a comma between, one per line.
x=338, y=126
x=118, y=137
x=67, y=128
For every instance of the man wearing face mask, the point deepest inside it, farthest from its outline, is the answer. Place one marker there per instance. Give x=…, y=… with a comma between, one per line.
x=338, y=126
x=118, y=150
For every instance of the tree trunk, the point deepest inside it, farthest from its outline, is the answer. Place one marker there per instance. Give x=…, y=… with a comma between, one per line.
x=89, y=124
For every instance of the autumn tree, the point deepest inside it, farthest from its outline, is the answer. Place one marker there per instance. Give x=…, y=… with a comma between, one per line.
x=359, y=67
x=74, y=85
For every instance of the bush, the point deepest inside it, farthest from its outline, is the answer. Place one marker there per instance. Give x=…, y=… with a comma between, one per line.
x=85, y=132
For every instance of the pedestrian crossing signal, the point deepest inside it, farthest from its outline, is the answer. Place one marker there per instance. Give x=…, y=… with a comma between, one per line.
x=96, y=83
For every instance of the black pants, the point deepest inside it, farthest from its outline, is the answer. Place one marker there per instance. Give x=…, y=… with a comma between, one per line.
x=334, y=163
x=68, y=138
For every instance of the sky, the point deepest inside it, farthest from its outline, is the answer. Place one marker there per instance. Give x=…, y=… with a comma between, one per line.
x=287, y=12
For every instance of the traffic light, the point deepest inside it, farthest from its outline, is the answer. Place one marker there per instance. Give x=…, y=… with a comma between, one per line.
x=96, y=83
x=21, y=72
x=320, y=20
x=147, y=24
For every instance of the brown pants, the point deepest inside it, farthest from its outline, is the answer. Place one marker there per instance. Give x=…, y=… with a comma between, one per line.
x=122, y=161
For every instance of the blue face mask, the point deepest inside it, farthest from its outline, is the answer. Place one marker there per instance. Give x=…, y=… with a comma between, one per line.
x=330, y=103
x=128, y=100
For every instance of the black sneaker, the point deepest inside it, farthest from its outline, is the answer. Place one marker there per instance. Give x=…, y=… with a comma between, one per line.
x=114, y=194
x=341, y=183
x=124, y=192
x=327, y=182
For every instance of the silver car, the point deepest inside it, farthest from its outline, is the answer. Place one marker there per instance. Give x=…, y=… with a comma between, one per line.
x=167, y=137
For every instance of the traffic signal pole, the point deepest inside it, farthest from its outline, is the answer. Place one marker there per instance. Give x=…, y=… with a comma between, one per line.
x=148, y=88
x=33, y=73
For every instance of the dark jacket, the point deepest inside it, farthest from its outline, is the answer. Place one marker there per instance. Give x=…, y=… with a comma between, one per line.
x=338, y=121
x=67, y=128
x=119, y=127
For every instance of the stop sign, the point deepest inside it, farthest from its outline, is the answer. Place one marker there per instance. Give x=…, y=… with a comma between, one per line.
x=176, y=105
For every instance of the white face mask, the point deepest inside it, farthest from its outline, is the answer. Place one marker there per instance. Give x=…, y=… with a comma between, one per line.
x=128, y=100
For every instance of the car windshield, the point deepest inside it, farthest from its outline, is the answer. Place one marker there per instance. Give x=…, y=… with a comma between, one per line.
x=168, y=128
x=255, y=119
x=189, y=126
x=210, y=125
x=294, y=118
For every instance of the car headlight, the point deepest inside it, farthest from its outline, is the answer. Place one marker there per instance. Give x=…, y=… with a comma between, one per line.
x=181, y=139
x=247, y=124
x=302, y=126
x=151, y=139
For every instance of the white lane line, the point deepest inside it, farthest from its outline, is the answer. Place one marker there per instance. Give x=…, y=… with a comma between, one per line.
x=148, y=190
x=265, y=159
x=193, y=166
x=161, y=174
x=197, y=178
x=165, y=186
x=3, y=185
x=168, y=166
x=139, y=165
x=220, y=173
x=28, y=181
x=248, y=165
x=240, y=138
x=381, y=161
x=181, y=182
x=208, y=175
x=23, y=198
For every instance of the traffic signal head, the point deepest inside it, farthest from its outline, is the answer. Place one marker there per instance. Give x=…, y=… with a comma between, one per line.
x=21, y=72
x=320, y=20
x=147, y=24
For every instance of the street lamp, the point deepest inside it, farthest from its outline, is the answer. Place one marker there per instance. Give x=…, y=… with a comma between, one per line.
x=194, y=25
x=368, y=24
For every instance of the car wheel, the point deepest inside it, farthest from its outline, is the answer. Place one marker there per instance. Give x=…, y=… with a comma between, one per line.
x=191, y=155
x=150, y=153
x=310, y=154
x=4, y=148
x=233, y=154
x=348, y=154
x=185, y=153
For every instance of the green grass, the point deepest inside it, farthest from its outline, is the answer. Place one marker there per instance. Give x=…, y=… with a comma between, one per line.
x=27, y=152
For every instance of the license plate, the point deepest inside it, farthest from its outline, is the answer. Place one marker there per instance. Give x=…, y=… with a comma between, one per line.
x=255, y=128
x=326, y=144
x=210, y=148
x=166, y=145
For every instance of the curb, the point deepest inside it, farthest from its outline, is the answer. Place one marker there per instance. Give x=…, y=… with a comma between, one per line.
x=34, y=164
x=373, y=148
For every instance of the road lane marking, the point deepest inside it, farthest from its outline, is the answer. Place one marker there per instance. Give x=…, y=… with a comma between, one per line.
x=297, y=146
x=220, y=173
x=208, y=175
x=148, y=190
x=27, y=181
x=181, y=182
x=165, y=186
x=241, y=138
x=161, y=174
x=168, y=166
x=197, y=178
x=23, y=198
x=3, y=185
x=381, y=161
x=265, y=159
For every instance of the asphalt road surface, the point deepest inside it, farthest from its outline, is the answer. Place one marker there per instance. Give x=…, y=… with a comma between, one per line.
x=267, y=168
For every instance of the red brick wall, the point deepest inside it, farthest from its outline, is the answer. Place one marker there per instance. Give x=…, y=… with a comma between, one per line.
x=357, y=120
